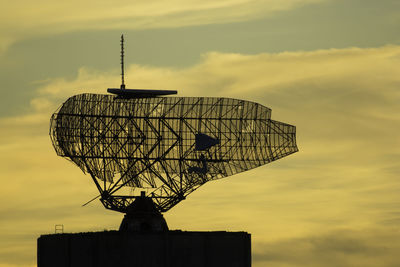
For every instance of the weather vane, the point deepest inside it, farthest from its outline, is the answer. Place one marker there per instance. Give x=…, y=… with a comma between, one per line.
x=147, y=152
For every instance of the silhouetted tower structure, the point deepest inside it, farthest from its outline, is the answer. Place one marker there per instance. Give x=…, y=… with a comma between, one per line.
x=146, y=151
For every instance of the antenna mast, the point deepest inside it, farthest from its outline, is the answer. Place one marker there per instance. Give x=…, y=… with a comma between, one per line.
x=122, y=62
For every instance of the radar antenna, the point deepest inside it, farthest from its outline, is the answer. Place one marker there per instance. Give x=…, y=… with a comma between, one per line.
x=138, y=139
x=122, y=92
x=122, y=62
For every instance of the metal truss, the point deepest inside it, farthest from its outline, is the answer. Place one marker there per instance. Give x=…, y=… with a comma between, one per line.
x=155, y=143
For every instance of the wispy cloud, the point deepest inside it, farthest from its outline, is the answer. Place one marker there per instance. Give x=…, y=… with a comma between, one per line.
x=344, y=103
x=24, y=19
x=341, y=247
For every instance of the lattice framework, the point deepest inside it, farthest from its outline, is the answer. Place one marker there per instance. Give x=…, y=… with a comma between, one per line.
x=150, y=143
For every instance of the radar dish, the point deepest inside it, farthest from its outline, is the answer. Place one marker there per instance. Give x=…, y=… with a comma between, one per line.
x=167, y=146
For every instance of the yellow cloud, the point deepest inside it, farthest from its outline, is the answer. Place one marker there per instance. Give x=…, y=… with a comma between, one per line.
x=342, y=247
x=344, y=103
x=24, y=19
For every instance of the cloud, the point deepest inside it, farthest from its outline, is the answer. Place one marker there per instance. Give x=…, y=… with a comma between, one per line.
x=344, y=103
x=25, y=19
x=342, y=247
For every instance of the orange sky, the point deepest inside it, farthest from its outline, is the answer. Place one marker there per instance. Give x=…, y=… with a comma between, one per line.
x=334, y=203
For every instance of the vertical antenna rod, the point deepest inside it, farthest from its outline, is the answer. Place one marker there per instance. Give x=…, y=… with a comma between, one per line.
x=122, y=62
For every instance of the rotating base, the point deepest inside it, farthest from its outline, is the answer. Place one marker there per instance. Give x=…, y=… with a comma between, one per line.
x=143, y=216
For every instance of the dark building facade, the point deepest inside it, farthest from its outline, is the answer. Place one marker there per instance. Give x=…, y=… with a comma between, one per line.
x=140, y=249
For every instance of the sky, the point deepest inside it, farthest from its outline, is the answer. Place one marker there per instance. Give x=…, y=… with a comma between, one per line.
x=329, y=67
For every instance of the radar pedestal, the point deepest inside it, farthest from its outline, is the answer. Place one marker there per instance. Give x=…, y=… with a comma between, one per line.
x=143, y=216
